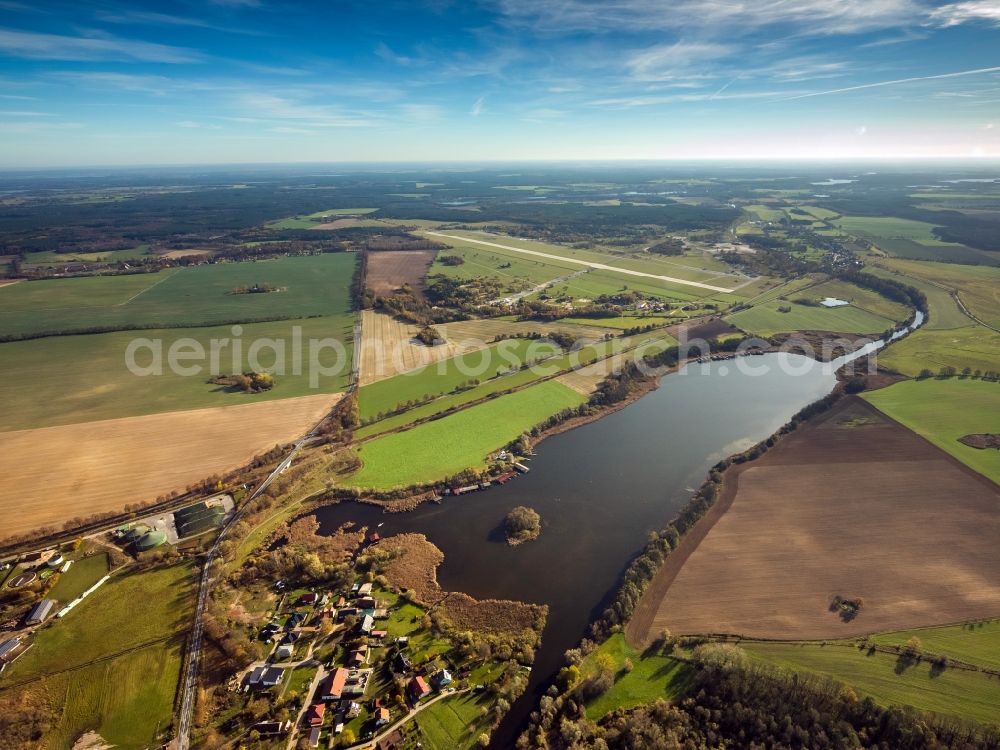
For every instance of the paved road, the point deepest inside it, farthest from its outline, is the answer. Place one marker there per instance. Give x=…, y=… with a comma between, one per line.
x=599, y=266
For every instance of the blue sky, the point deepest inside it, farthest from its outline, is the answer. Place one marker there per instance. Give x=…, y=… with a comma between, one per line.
x=106, y=83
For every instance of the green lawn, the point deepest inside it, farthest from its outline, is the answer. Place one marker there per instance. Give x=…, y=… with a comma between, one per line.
x=971, y=695
x=444, y=376
x=179, y=297
x=127, y=698
x=864, y=299
x=943, y=411
x=652, y=677
x=453, y=723
x=973, y=643
x=83, y=574
x=446, y=446
x=68, y=379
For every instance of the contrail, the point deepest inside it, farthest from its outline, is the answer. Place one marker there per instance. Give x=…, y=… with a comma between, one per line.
x=978, y=71
x=723, y=88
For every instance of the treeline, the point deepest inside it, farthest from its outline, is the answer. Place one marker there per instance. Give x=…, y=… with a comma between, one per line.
x=755, y=707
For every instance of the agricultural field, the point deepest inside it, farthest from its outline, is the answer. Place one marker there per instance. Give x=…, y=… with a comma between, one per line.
x=178, y=297
x=388, y=270
x=976, y=286
x=53, y=474
x=388, y=348
x=975, y=643
x=448, y=374
x=50, y=257
x=68, y=379
x=945, y=313
x=944, y=411
x=888, y=679
x=110, y=666
x=848, y=505
x=906, y=238
x=309, y=221
x=974, y=347
x=446, y=446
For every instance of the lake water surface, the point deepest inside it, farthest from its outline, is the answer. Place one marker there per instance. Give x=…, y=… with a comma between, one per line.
x=600, y=489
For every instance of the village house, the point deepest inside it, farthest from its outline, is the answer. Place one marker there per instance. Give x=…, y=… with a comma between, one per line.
x=314, y=716
x=333, y=687
x=417, y=689
x=271, y=728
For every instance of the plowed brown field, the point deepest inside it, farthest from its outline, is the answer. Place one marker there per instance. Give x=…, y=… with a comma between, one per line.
x=52, y=474
x=388, y=270
x=852, y=504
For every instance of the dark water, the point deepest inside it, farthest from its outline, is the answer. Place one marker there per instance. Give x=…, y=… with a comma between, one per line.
x=599, y=490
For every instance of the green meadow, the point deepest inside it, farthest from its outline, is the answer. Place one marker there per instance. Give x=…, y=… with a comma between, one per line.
x=127, y=698
x=68, y=379
x=973, y=346
x=178, y=297
x=83, y=573
x=308, y=221
x=952, y=692
x=454, y=723
x=446, y=446
x=764, y=319
x=446, y=375
x=973, y=642
x=945, y=410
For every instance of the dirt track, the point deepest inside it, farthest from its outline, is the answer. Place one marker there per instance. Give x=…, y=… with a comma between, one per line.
x=853, y=504
x=53, y=474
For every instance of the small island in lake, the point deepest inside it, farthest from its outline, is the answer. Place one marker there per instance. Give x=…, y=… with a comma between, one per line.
x=522, y=525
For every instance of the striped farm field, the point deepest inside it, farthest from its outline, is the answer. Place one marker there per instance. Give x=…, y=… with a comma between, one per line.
x=446, y=446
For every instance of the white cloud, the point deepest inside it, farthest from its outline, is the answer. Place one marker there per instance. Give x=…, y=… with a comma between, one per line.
x=681, y=59
x=955, y=14
x=23, y=113
x=813, y=17
x=34, y=46
x=477, y=106
x=421, y=112
x=861, y=129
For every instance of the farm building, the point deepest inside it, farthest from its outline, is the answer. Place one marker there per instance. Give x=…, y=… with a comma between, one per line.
x=314, y=734
x=284, y=651
x=391, y=741
x=150, y=540
x=40, y=612
x=198, y=518
x=365, y=589
x=8, y=649
x=366, y=624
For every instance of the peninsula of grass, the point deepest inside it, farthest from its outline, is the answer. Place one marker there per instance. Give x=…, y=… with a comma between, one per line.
x=786, y=316
x=944, y=411
x=444, y=447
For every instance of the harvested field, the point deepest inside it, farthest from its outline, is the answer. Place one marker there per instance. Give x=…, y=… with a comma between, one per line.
x=54, y=474
x=412, y=564
x=387, y=347
x=585, y=380
x=388, y=270
x=854, y=505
